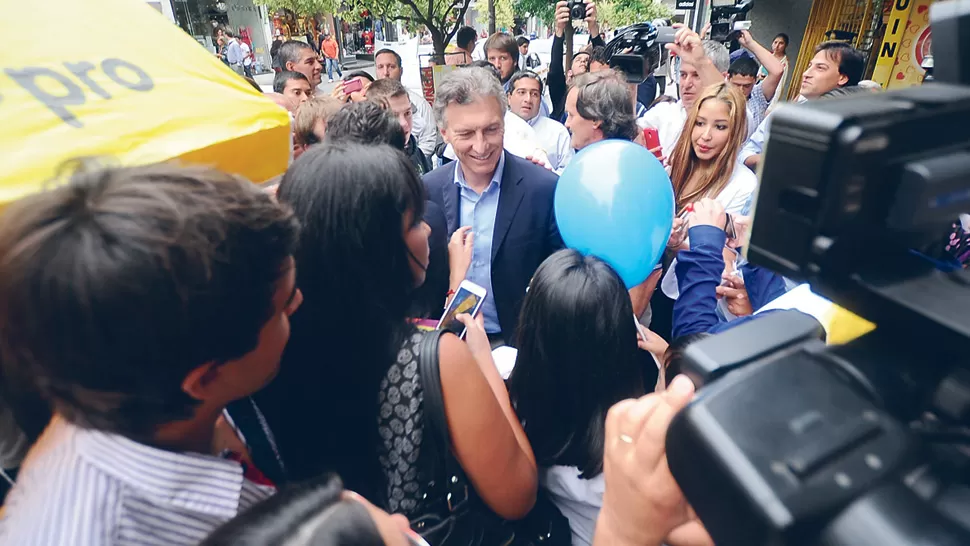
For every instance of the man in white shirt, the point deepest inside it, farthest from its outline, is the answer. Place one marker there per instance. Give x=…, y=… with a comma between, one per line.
x=387, y=64
x=525, y=96
x=174, y=325
x=247, y=58
x=527, y=61
x=234, y=54
x=703, y=63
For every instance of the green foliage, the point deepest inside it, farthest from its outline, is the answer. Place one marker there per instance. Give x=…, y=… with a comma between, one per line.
x=441, y=17
x=504, y=16
x=301, y=7
x=544, y=10
x=620, y=13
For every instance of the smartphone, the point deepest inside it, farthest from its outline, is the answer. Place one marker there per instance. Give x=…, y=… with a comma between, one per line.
x=651, y=138
x=353, y=85
x=468, y=300
x=729, y=229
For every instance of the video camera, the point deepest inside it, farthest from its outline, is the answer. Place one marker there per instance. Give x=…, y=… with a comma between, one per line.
x=636, y=49
x=724, y=18
x=789, y=441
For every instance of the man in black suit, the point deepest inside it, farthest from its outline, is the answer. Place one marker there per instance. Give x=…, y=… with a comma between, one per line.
x=507, y=200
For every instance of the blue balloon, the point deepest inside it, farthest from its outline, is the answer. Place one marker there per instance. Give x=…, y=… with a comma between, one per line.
x=615, y=201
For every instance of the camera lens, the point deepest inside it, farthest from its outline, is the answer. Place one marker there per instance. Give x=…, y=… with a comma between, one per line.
x=577, y=10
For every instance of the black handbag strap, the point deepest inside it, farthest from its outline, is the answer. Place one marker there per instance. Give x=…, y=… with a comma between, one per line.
x=455, y=484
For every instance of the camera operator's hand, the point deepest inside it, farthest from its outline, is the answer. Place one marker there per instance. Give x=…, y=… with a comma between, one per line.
x=746, y=40
x=562, y=16
x=707, y=212
x=642, y=503
x=687, y=45
x=591, y=22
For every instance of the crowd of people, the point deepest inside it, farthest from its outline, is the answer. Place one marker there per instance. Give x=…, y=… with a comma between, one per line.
x=197, y=360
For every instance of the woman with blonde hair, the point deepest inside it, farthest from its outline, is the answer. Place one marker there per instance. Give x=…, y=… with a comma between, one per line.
x=704, y=162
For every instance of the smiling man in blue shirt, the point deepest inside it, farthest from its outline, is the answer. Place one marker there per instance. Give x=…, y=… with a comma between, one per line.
x=508, y=201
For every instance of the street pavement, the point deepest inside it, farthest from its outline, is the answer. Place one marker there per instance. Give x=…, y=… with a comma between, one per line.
x=265, y=81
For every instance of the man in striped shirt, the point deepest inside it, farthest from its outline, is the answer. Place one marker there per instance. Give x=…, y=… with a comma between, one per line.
x=140, y=301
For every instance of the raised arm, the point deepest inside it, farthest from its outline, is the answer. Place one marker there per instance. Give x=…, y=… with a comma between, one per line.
x=774, y=67
x=687, y=45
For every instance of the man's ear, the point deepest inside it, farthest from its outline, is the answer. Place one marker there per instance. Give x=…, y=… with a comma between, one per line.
x=843, y=79
x=199, y=382
x=444, y=135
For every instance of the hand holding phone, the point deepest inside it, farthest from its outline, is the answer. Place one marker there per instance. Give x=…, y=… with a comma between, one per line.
x=468, y=300
x=351, y=86
x=651, y=140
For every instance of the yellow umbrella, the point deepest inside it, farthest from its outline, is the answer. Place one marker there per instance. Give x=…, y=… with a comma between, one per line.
x=113, y=78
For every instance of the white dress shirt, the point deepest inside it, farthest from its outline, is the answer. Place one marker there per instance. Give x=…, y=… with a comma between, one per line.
x=82, y=487
x=554, y=138
x=668, y=118
x=735, y=198
x=423, y=126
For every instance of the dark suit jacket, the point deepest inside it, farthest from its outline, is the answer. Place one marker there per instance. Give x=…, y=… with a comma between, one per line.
x=525, y=228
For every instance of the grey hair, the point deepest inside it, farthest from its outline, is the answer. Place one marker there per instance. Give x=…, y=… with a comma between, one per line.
x=290, y=52
x=605, y=97
x=465, y=86
x=718, y=54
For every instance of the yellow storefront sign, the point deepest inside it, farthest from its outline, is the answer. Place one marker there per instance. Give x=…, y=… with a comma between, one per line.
x=114, y=78
x=889, y=48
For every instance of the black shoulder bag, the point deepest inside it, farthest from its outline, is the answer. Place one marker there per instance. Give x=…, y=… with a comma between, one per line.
x=451, y=513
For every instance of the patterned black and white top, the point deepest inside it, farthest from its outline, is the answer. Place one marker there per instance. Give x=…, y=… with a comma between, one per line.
x=400, y=424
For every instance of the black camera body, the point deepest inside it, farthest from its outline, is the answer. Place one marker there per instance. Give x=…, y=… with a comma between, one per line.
x=577, y=10
x=724, y=13
x=793, y=442
x=636, y=49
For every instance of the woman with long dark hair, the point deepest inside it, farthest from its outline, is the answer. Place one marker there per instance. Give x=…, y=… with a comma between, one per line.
x=349, y=398
x=577, y=357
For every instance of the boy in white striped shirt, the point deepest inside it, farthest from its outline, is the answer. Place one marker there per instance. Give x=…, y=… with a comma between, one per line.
x=140, y=301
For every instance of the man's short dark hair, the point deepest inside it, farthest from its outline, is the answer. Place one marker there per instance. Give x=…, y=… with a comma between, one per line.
x=359, y=74
x=119, y=283
x=465, y=36
x=502, y=42
x=852, y=63
x=521, y=75
x=486, y=65
x=366, y=123
x=281, y=79
x=521, y=41
x=605, y=97
x=290, y=52
x=598, y=55
x=387, y=51
x=744, y=66
x=386, y=89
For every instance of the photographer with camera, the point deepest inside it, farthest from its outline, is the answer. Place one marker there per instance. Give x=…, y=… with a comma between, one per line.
x=558, y=79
